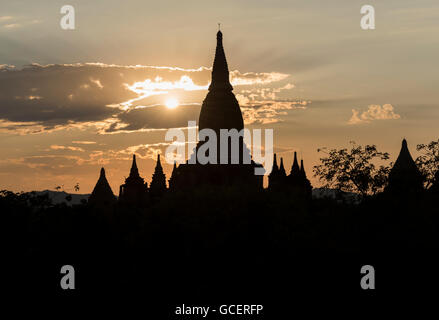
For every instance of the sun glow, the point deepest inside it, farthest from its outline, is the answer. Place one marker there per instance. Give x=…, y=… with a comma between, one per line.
x=171, y=103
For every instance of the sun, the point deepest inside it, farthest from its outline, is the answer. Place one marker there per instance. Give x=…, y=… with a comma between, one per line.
x=171, y=103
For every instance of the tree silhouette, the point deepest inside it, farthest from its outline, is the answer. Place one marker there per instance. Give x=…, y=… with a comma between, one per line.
x=353, y=170
x=428, y=161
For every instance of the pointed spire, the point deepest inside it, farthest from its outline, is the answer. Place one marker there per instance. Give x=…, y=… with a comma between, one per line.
x=158, y=182
x=275, y=168
x=405, y=175
x=295, y=167
x=159, y=164
x=220, y=70
x=405, y=160
x=102, y=193
x=134, y=171
x=174, y=170
x=171, y=180
x=220, y=108
x=302, y=168
x=281, y=168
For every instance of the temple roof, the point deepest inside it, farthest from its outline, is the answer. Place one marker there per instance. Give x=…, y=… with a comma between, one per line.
x=102, y=191
x=134, y=177
x=158, y=166
x=404, y=161
x=405, y=175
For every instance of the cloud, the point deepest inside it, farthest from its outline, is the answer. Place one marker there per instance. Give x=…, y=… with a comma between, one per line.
x=84, y=142
x=374, y=112
x=4, y=67
x=261, y=105
x=252, y=78
x=111, y=98
x=12, y=25
x=266, y=112
x=154, y=117
x=9, y=22
x=145, y=151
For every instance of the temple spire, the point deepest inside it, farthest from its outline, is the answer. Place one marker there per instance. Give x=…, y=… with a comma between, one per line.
x=220, y=70
x=281, y=167
x=302, y=168
x=172, y=179
x=102, y=194
x=295, y=167
x=158, y=182
x=405, y=175
x=159, y=163
x=275, y=168
x=134, y=171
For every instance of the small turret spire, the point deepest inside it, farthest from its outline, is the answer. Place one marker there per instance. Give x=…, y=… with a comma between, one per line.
x=158, y=182
x=102, y=195
x=281, y=167
x=302, y=169
x=171, y=180
x=158, y=160
x=275, y=167
x=134, y=171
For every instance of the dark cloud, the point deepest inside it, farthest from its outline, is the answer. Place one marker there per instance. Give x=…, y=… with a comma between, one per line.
x=61, y=94
x=156, y=117
x=113, y=98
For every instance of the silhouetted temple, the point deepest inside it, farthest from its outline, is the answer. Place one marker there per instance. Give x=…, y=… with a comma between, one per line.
x=134, y=190
x=296, y=182
x=102, y=194
x=220, y=110
x=405, y=177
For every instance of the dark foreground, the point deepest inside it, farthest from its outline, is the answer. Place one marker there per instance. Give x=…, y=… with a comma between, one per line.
x=214, y=248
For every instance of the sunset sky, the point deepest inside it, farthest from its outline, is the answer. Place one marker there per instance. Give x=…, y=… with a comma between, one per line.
x=72, y=101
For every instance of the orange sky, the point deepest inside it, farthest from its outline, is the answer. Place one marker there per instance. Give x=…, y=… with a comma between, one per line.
x=96, y=94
